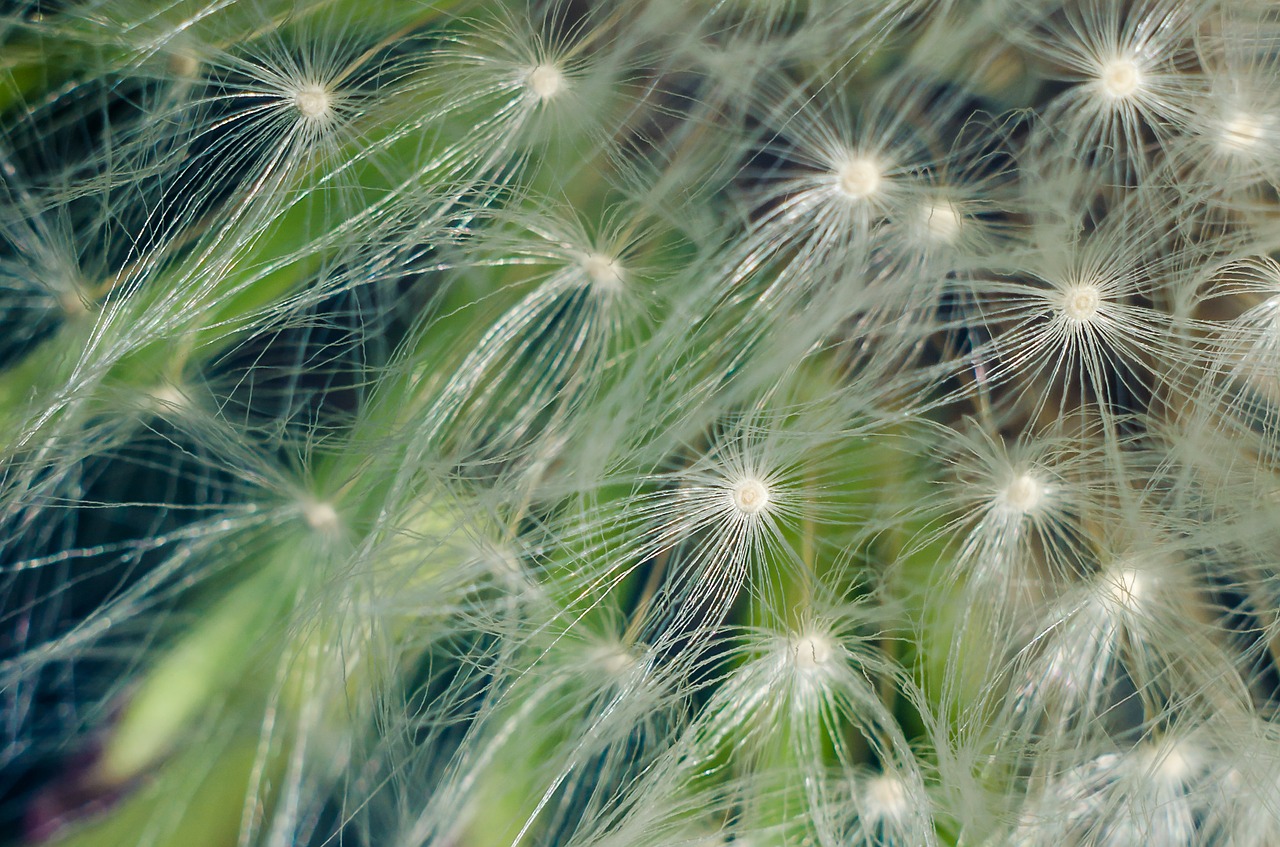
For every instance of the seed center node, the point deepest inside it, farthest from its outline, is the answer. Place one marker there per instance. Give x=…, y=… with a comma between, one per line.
x=750, y=496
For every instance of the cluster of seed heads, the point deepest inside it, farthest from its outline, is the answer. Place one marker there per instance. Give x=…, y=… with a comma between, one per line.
x=672, y=422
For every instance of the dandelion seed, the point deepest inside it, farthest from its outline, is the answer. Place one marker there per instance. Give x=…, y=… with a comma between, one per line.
x=74, y=306
x=545, y=81
x=1015, y=506
x=891, y=807
x=1018, y=542
x=168, y=397
x=614, y=659
x=1023, y=494
x=1120, y=78
x=1116, y=647
x=1127, y=60
x=749, y=496
x=811, y=687
x=845, y=172
x=314, y=102
x=322, y=517
x=1125, y=587
x=184, y=65
x=721, y=526
x=885, y=797
x=1080, y=302
x=812, y=651
x=859, y=177
x=729, y=516
x=1173, y=763
x=551, y=349
x=1241, y=133
x=942, y=220
x=1076, y=329
x=604, y=271
x=1232, y=148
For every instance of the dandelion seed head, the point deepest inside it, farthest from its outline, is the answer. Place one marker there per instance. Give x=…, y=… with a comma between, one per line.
x=613, y=659
x=184, y=65
x=858, y=177
x=497, y=560
x=1172, y=763
x=503, y=561
x=1120, y=78
x=544, y=81
x=322, y=517
x=749, y=496
x=811, y=651
x=1241, y=133
x=167, y=397
x=1080, y=302
x=942, y=220
x=1125, y=587
x=313, y=101
x=785, y=413
x=1022, y=494
x=886, y=797
x=604, y=271
x=73, y=305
